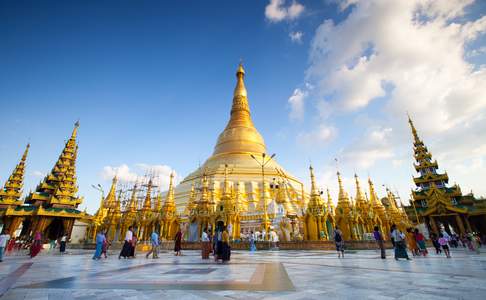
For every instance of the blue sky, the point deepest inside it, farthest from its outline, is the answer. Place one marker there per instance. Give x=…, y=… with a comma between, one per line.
x=152, y=82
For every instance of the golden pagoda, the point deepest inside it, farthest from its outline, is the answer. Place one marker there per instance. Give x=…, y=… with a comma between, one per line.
x=343, y=214
x=11, y=193
x=52, y=208
x=437, y=204
x=244, y=189
x=237, y=148
x=318, y=224
x=169, y=223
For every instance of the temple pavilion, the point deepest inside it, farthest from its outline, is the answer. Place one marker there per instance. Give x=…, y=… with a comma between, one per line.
x=437, y=204
x=52, y=208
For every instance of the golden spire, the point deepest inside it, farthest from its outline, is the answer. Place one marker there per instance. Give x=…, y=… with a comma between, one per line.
x=374, y=200
x=359, y=199
x=133, y=201
x=147, y=204
x=414, y=131
x=240, y=90
x=343, y=196
x=314, y=190
x=330, y=205
x=169, y=199
x=12, y=190
x=240, y=135
x=110, y=200
x=315, y=197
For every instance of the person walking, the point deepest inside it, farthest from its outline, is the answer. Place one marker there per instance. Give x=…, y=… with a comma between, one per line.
x=435, y=242
x=226, y=248
x=154, y=240
x=133, y=245
x=400, y=246
x=100, y=239
x=379, y=241
x=412, y=243
x=127, y=245
x=419, y=237
x=62, y=244
x=104, y=248
x=253, y=247
x=338, y=240
x=36, y=245
x=178, y=243
x=4, y=238
x=205, y=244
x=444, y=243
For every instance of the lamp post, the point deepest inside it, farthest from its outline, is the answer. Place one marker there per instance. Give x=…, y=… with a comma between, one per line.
x=265, y=160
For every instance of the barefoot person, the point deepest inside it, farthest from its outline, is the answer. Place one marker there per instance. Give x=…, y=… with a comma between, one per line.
x=379, y=241
x=178, y=243
x=226, y=248
x=36, y=246
x=338, y=240
x=205, y=244
x=4, y=237
x=400, y=246
x=127, y=245
x=154, y=240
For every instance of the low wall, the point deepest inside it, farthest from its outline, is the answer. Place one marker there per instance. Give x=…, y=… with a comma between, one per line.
x=301, y=245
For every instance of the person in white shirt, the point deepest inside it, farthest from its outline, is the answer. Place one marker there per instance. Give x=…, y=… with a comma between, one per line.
x=127, y=245
x=205, y=244
x=4, y=237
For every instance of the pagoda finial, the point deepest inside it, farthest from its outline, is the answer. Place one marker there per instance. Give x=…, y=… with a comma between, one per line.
x=133, y=201
x=359, y=199
x=343, y=196
x=314, y=190
x=24, y=156
x=240, y=135
x=75, y=130
x=110, y=200
x=170, y=192
x=330, y=205
x=414, y=130
x=147, y=204
x=240, y=89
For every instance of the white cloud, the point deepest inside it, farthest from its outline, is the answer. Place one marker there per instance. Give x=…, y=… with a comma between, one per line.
x=320, y=136
x=296, y=36
x=411, y=55
x=374, y=146
x=38, y=174
x=416, y=48
x=160, y=174
x=276, y=11
x=296, y=102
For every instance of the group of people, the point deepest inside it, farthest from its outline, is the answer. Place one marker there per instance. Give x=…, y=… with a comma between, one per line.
x=217, y=244
x=9, y=244
x=415, y=241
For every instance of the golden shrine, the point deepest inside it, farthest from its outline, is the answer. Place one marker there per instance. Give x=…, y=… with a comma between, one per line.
x=438, y=205
x=52, y=208
x=245, y=189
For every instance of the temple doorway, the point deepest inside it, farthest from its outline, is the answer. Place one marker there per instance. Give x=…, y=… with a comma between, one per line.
x=55, y=230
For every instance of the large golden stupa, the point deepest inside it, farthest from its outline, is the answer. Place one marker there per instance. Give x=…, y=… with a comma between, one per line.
x=245, y=189
x=236, y=160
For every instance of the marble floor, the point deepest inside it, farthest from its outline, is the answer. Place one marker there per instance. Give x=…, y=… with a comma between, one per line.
x=259, y=275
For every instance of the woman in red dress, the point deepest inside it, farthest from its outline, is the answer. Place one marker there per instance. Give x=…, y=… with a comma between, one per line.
x=36, y=246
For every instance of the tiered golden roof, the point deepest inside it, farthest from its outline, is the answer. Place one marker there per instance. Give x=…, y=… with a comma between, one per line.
x=12, y=190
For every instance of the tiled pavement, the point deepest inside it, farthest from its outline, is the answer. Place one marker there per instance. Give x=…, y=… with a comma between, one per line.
x=260, y=275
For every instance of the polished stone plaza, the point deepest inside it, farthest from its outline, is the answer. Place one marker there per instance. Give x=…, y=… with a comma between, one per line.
x=260, y=275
